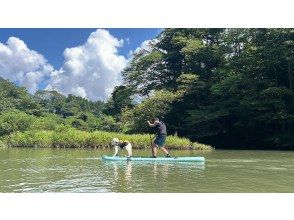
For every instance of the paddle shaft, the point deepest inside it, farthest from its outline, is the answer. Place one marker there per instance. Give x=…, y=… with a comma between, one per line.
x=150, y=140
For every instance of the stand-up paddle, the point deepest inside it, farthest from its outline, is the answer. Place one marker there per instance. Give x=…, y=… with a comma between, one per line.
x=150, y=140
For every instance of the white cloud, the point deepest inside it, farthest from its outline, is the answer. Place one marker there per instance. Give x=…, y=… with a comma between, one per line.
x=21, y=65
x=90, y=70
x=145, y=45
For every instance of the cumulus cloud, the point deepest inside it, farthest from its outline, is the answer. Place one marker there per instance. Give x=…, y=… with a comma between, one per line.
x=21, y=65
x=91, y=70
x=145, y=45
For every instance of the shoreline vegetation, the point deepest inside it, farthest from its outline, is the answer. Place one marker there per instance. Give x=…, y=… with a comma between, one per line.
x=73, y=138
x=228, y=88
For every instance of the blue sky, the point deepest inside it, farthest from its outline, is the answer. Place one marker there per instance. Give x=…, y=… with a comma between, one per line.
x=51, y=42
x=83, y=62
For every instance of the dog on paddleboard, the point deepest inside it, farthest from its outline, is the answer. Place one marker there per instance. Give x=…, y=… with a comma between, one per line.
x=120, y=145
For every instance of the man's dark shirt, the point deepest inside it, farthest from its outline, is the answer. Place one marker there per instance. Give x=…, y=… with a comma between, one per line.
x=160, y=128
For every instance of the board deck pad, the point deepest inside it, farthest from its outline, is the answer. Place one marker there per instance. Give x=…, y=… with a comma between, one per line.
x=163, y=159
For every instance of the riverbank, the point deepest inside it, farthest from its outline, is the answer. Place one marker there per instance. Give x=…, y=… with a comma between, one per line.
x=73, y=138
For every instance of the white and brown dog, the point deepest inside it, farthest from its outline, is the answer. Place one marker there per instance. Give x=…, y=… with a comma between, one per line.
x=120, y=145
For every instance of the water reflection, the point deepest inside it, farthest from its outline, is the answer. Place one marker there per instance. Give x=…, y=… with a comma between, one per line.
x=130, y=176
x=162, y=172
x=79, y=170
x=121, y=173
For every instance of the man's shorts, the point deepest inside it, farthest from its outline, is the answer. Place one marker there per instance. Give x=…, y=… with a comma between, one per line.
x=160, y=140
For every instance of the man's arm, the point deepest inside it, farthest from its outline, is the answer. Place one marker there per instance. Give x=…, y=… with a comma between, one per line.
x=150, y=124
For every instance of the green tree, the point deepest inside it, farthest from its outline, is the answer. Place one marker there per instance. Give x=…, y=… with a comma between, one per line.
x=121, y=98
x=13, y=97
x=236, y=85
x=134, y=120
x=13, y=121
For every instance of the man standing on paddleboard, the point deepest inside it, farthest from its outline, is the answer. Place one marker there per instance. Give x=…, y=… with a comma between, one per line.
x=160, y=136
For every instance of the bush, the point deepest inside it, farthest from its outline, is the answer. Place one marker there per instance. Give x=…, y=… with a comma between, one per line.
x=199, y=146
x=49, y=122
x=108, y=123
x=88, y=122
x=2, y=144
x=13, y=121
x=72, y=138
x=76, y=123
x=30, y=139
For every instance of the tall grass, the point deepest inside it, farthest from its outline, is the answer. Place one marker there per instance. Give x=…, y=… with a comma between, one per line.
x=2, y=144
x=73, y=138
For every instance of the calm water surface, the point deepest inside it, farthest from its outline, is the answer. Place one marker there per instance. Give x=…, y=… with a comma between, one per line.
x=78, y=170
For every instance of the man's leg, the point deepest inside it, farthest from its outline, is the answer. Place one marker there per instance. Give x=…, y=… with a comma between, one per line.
x=164, y=150
x=162, y=141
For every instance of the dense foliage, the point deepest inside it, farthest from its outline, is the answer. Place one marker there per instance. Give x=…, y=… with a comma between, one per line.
x=235, y=85
x=47, y=110
x=53, y=120
x=225, y=87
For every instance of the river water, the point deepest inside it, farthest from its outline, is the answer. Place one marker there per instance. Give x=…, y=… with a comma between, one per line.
x=80, y=170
